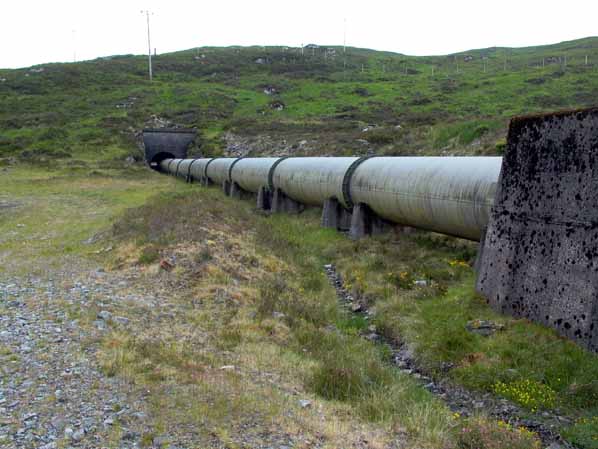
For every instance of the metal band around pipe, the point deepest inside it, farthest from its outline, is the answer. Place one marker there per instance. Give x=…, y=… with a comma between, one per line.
x=271, y=172
x=176, y=173
x=168, y=168
x=230, y=169
x=189, y=169
x=347, y=180
x=205, y=169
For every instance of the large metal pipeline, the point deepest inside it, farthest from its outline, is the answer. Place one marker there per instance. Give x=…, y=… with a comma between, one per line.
x=312, y=180
x=252, y=173
x=218, y=170
x=450, y=195
x=197, y=171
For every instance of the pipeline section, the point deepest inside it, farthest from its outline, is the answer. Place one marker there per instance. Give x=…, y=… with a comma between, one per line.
x=449, y=195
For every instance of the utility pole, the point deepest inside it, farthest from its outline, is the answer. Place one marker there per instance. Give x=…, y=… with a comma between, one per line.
x=75, y=47
x=345, y=35
x=344, y=45
x=149, y=45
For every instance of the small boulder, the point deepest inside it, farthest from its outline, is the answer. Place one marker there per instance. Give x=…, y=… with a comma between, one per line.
x=484, y=327
x=356, y=307
x=104, y=315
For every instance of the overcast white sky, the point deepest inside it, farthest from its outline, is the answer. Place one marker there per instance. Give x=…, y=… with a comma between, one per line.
x=34, y=32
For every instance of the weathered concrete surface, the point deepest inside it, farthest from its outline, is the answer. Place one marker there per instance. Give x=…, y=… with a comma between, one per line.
x=282, y=203
x=226, y=186
x=540, y=252
x=164, y=143
x=365, y=222
x=330, y=213
x=264, y=199
x=239, y=193
x=335, y=216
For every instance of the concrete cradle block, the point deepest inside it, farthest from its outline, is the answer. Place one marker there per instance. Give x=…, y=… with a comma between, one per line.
x=539, y=256
x=282, y=203
x=344, y=221
x=264, y=199
x=335, y=216
x=235, y=191
x=366, y=222
x=226, y=185
x=330, y=213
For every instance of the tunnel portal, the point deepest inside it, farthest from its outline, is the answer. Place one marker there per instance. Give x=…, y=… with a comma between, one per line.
x=166, y=143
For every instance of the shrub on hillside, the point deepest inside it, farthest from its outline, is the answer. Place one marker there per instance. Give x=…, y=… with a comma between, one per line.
x=478, y=433
x=382, y=136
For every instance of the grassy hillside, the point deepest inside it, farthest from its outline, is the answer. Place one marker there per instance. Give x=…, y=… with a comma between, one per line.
x=454, y=104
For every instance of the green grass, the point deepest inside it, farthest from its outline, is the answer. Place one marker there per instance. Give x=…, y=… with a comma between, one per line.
x=63, y=213
x=86, y=112
x=431, y=320
x=346, y=368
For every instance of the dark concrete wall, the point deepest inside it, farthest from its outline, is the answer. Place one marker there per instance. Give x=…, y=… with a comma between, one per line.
x=161, y=143
x=540, y=252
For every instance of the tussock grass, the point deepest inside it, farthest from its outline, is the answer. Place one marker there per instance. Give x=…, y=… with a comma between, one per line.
x=286, y=323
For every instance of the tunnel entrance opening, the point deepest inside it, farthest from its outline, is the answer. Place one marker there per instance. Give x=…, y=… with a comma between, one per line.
x=165, y=143
x=155, y=161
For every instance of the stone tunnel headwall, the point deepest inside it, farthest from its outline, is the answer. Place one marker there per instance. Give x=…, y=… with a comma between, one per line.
x=164, y=143
x=539, y=256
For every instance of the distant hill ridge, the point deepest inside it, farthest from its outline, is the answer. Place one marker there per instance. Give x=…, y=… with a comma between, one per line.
x=283, y=100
